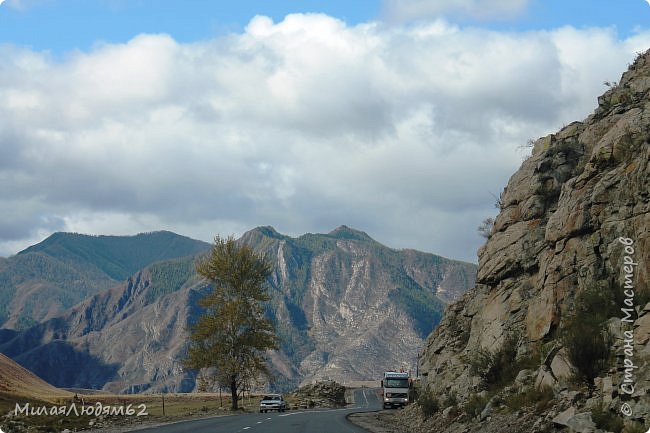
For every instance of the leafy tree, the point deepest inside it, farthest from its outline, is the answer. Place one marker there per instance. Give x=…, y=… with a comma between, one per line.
x=232, y=335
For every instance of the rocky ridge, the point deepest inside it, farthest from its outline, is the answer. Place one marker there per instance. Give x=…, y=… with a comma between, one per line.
x=571, y=218
x=349, y=308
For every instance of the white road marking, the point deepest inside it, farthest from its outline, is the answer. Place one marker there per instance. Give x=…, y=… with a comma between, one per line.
x=320, y=411
x=365, y=397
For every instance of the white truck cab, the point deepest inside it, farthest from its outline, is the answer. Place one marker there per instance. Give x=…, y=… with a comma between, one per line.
x=396, y=389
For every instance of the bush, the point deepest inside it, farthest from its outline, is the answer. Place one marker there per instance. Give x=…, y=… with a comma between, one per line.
x=587, y=341
x=475, y=405
x=540, y=399
x=428, y=403
x=486, y=227
x=607, y=420
x=450, y=400
x=496, y=368
x=634, y=427
x=589, y=349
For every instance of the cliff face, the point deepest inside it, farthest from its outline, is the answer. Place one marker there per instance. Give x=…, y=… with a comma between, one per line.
x=349, y=308
x=569, y=217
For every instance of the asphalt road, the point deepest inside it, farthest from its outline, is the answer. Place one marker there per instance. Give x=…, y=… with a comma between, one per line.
x=298, y=421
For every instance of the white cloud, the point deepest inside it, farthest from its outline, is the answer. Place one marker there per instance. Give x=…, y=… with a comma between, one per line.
x=418, y=10
x=304, y=124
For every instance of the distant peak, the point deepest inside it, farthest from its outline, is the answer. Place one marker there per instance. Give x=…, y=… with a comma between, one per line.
x=345, y=232
x=267, y=231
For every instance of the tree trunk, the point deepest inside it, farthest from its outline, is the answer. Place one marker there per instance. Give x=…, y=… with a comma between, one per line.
x=233, y=394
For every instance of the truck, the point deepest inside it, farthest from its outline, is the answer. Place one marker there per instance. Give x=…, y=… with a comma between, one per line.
x=396, y=389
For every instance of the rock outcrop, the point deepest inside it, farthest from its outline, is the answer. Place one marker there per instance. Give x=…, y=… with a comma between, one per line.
x=320, y=394
x=571, y=218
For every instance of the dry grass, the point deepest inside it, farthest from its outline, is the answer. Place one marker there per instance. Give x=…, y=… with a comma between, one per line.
x=17, y=381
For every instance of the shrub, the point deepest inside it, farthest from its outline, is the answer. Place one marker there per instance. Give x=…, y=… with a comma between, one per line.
x=587, y=341
x=459, y=330
x=475, y=405
x=450, y=400
x=642, y=296
x=571, y=149
x=634, y=427
x=485, y=229
x=496, y=368
x=589, y=349
x=428, y=403
x=540, y=399
x=607, y=420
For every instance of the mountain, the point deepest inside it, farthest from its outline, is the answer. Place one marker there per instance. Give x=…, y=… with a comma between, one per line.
x=45, y=279
x=17, y=383
x=346, y=308
x=574, y=224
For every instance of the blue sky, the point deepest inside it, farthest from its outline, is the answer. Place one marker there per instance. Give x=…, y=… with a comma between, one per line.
x=63, y=25
x=402, y=118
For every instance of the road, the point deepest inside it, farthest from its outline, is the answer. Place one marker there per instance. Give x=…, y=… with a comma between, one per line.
x=298, y=421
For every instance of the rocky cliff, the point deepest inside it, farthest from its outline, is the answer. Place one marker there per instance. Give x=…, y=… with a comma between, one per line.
x=349, y=308
x=571, y=219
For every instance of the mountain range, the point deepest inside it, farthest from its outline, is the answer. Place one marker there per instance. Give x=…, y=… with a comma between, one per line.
x=346, y=307
x=46, y=279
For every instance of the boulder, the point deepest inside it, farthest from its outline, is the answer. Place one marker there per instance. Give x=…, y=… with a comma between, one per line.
x=563, y=418
x=581, y=423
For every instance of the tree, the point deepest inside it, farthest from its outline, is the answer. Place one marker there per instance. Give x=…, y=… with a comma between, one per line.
x=232, y=335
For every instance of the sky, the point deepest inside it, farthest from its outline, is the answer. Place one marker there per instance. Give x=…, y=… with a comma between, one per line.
x=401, y=118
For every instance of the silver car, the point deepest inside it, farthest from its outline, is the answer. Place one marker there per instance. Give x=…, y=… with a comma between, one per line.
x=273, y=402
